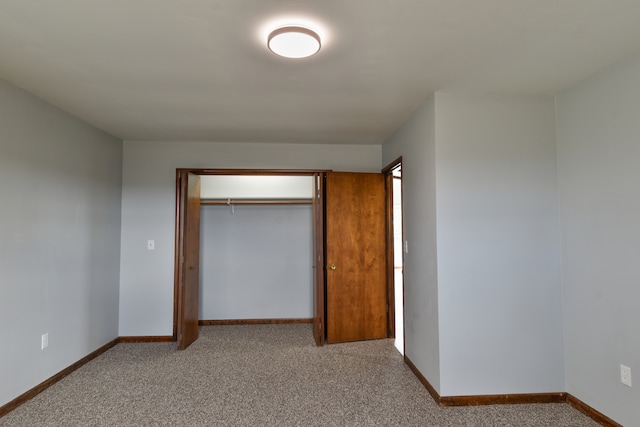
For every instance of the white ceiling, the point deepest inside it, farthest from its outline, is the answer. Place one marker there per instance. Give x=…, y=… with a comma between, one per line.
x=199, y=69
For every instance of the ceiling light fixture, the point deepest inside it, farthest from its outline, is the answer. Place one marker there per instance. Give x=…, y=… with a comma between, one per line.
x=294, y=42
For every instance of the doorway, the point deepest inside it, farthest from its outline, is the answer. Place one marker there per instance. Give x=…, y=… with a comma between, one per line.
x=395, y=251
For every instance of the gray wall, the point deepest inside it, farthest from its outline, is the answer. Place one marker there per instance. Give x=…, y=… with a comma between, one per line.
x=148, y=210
x=60, y=183
x=257, y=262
x=415, y=141
x=482, y=278
x=499, y=288
x=599, y=176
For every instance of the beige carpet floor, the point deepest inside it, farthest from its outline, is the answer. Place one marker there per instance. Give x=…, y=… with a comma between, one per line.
x=261, y=375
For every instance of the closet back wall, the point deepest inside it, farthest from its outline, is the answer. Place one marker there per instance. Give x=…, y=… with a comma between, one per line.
x=256, y=263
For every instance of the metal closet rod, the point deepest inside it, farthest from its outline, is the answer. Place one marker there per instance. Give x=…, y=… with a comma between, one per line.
x=257, y=202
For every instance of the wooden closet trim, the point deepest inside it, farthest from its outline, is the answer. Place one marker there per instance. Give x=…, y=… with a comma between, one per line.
x=179, y=237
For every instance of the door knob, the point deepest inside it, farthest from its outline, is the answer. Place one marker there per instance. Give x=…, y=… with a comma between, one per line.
x=332, y=267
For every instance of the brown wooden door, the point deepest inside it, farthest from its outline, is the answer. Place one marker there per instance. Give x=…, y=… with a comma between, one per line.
x=356, y=257
x=188, y=286
x=318, y=261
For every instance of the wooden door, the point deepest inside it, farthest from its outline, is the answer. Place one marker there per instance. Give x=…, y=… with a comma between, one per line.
x=355, y=257
x=188, y=285
x=318, y=261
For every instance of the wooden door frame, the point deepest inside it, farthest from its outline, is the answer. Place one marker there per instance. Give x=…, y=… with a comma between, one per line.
x=318, y=233
x=388, y=186
x=319, y=254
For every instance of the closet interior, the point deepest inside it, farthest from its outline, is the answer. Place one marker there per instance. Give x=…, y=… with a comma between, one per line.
x=256, y=248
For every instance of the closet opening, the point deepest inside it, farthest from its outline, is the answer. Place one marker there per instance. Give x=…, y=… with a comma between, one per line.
x=247, y=247
x=256, y=243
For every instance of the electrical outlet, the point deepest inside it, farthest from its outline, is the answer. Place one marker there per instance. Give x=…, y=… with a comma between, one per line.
x=151, y=244
x=44, y=341
x=625, y=375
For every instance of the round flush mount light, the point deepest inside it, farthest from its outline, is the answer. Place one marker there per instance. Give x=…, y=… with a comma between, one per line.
x=293, y=42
